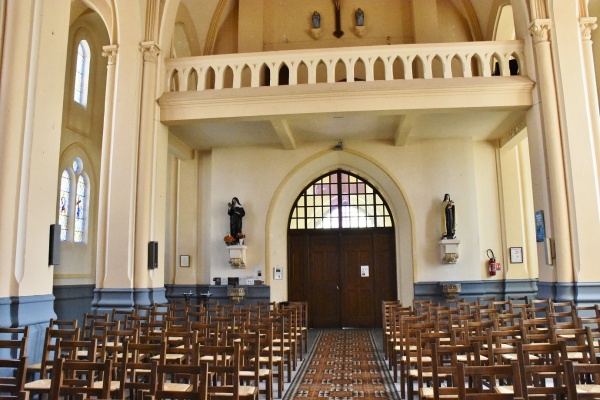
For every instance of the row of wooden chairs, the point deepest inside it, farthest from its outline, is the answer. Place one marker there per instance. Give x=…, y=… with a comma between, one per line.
x=103, y=336
x=220, y=378
x=541, y=325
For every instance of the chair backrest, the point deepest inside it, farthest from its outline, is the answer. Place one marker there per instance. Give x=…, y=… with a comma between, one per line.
x=471, y=378
x=228, y=376
x=51, y=348
x=196, y=376
x=141, y=356
x=13, y=342
x=544, y=360
x=83, y=350
x=121, y=314
x=72, y=377
x=63, y=324
x=444, y=360
x=582, y=380
x=88, y=321
x=12, y=375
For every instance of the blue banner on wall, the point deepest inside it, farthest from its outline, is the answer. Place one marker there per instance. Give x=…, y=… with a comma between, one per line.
x=540, y=229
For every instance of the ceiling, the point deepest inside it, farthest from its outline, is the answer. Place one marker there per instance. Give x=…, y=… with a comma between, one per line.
x=334, y=127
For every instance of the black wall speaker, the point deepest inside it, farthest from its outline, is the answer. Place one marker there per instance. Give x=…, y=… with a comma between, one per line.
x=152, y=255
x=54, y=248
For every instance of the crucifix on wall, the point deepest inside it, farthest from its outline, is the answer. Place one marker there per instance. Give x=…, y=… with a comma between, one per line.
x=338, y=23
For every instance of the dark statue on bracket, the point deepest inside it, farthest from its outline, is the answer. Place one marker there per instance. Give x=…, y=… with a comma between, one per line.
x=236, y=213
x=448, y=218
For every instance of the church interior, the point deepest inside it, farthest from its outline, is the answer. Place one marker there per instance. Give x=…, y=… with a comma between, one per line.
x=380, y=150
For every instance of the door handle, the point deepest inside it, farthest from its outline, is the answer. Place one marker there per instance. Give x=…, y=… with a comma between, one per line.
x=338, y=288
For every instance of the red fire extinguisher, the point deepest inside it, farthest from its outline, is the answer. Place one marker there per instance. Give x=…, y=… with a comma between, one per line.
x=493, y=266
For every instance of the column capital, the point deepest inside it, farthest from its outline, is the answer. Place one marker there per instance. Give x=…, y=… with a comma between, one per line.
x=150, y=50
x=587, y=25
x=110, y=52
x=540, y=29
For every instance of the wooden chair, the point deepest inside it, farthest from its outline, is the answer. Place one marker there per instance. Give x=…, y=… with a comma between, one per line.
x=139, y=366
x=409, y=362
x=251, y=371
x=226, y=384
x=280, y=346
x=13, y=342
x=117, y=352
x=268, y=359
x=88, y=321
x=12, y=376
x=303, y=316
x=394, y=337
x=547, y=364
x=583, y=380
x=50, y=351
x=197, y=384
x=423, y=371
x=444, y=361
x=482, y=381
x=73, y=377
x=402, y=348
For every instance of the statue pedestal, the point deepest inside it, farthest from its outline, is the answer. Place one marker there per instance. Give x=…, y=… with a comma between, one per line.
x=449, y=250
x=237, y=255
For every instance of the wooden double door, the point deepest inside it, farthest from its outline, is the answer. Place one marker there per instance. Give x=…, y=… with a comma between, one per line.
x=343, y=275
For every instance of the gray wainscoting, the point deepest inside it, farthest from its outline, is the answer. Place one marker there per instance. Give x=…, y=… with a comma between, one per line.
x=470, y=290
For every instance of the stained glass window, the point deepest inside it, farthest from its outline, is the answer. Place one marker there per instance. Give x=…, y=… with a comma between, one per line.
x=82, y=73
x=80, y=210
x=63, y=204
x=340, y=200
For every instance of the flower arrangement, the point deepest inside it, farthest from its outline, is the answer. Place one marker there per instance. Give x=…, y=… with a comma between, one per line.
x=229, y=240
x=241, y=235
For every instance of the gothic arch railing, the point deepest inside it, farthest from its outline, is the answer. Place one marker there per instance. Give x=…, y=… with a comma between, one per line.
x=386, y=63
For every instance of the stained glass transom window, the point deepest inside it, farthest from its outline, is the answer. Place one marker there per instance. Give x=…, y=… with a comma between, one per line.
x=63, y=204
x=340, y=200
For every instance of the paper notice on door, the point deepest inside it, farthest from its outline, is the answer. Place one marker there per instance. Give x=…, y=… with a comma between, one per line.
x=364, y=271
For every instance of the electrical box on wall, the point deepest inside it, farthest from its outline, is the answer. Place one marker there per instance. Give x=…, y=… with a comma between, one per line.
x=277, y=273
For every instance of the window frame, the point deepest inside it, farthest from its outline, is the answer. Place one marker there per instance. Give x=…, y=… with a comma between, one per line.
x=343, y=195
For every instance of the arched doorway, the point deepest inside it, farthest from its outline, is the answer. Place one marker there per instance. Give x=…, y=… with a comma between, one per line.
x=341, y=252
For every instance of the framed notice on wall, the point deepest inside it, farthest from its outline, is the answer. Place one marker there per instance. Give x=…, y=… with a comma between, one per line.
x=516, y=255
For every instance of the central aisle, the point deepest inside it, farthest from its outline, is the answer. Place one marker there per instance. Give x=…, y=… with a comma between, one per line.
x=343, y=364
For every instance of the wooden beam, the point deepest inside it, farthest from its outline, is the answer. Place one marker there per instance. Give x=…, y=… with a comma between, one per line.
x=285, y=134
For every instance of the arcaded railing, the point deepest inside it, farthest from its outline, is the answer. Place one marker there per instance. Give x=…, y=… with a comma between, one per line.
x=372, y=63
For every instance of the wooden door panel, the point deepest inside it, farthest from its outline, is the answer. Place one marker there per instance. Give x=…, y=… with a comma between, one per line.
x=358, y=301
x=320, y=262
x=324, y=275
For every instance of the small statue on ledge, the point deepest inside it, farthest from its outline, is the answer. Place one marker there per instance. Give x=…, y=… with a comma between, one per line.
x=360, y=17
x=316, y=20
x=236, y=213
x=448, y=218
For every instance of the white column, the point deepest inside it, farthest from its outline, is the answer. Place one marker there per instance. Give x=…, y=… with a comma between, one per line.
x=31, y=102
x=587, y=25
x=554, y=155
x=147, y=170
x=110, y=52
x=578, y=138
